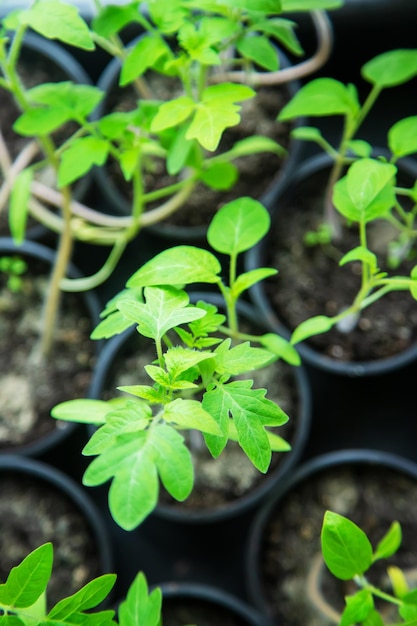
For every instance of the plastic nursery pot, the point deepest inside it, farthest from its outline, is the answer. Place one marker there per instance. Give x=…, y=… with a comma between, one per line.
x=41, y=504
x=310, y=282
x=228, y=487
x=285, y=575
x=193, y=228
x=42, y=60
x=25, y=423
x=205, y=605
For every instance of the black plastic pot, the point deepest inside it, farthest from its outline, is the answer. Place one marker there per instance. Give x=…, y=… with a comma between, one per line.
x=127, y=343
x=117, y=202
x=61, y=512
x=317, y=165
x=62, y=65
x=205, y=605
x=54, y=445
x=298, y=505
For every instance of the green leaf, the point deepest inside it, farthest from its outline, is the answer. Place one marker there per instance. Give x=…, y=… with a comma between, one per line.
x=179, y=359
x=307, y=133
x=178, y=151
x=346, y=549
x=112, y=325
x=112, y=19
x=358, y=607
x=253, y=145
x=391, y=68
x=283, y=31
x=413, y=285
x=240, y=359
x=402, y=137
x=173, y=113
x=19, y=204
x=142, y=56
x=312, y=326
x=360, y=254
x=28, y=580
x=359, y=147
x=57, y=20
x=190, y=414
x=163, y=309
x=390, y=543
x=306, y=5
x=398, y=582
x=259, y=49
x=77, y=99
x=238, y=226
x=79, y=158
x=139, y=607
x=367, y=191
x=219, y=175
x=83, y=411
x=178, y=265
x=322, y=96
x=281, y=348
x=88, y=597
x=173, y=461
x=247, y=279
x=216, y=112
x=41, y=121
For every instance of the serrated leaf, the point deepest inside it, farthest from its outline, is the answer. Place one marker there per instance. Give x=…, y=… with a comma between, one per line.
x=190, y=414
x=346, y=549
x=28, y=580
x=80, y=157
x=178, y=265
x=321, y=96
x=19, y=204
x=112, y=325
x=77, y=99
x=83, y=411
x=178, y=359
x=358, y=607
x=391, y=68
x=238, y=226
x=112, y=19
x=58, y=20
x=259, y=49
x=173, y=113
x=163, y=309
x=312, y=326
x=283, y=31
x=41, y=121
x=240, y=359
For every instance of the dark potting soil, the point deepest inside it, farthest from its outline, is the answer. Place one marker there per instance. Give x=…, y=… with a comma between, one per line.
x=29, y=388
x=232, y=475
x=33, y=513
x=256, y=172
x=310, y=282
x=298, y=587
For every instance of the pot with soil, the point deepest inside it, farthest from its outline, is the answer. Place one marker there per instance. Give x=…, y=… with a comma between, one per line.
x=259, y=174
x=41, y=61
x=286, y=576
x=29, y=385
x=311, y=283
x=40, y=504
x=205, y=605
x=229, y=486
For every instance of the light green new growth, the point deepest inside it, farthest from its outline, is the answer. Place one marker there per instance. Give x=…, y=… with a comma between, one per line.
x=140, y=439
x=349, y=555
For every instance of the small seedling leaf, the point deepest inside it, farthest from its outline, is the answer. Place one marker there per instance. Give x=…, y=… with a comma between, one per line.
x=260, y=50
x=346, y=549
x=190, y=414
x=281, y=348
x=83, y=411
x=322, y=96
x=19, y=204
x=28, y=580
x=247, y=279
x=391, y=68
x=390, y=543
x=238, y=226
x=313, y=326
x=140, y=608
x=402, y=137
x=359, y=607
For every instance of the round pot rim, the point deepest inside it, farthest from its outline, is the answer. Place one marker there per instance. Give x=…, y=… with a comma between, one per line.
x=248, y=501
x=17, y=464
x=40, y=251
x=311, y=467
x=214, y=595
x=254, y=258
x=192, y=233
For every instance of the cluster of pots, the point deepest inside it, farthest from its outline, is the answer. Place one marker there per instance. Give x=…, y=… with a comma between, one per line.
x=257, y=556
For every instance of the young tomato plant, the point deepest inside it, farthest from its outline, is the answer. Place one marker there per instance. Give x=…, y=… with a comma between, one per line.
x=323, y=97
x=199, y=354
x=349, y=555
x=23, y=598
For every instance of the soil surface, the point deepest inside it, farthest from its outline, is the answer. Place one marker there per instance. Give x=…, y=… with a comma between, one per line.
x=232, y=475
x=310, y=281
x=298, y=588
x=181, y=611
x=32, y=512
x=256, y=172
x=29, y=386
